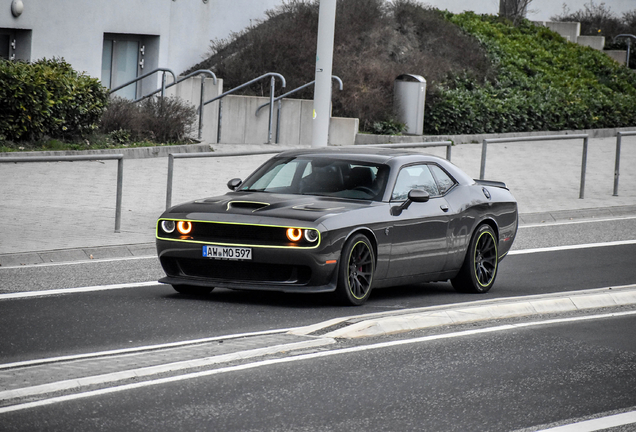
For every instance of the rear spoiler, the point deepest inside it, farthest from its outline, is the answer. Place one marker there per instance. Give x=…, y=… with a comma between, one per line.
x=491, y=183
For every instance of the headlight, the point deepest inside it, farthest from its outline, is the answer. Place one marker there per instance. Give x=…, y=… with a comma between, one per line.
x=311, y=235
x=168, y=226
x=294, y=234
x=184, y=227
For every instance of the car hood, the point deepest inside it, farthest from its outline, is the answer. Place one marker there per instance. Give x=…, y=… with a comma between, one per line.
x=252, y=207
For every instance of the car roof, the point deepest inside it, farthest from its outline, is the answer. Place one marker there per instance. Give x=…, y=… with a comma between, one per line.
x=366, y=154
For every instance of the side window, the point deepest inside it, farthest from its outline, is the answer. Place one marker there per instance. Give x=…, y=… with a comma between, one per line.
x=444, y=181
x=414, y=177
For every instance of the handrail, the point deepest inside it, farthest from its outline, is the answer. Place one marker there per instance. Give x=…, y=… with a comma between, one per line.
x=273, y=76
x=297, y=89
x=280, y=98
x=120, y=172
x=163, y=79
x=200, y=110
x=628, y=38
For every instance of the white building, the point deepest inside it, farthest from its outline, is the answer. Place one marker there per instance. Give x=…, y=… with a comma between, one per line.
x=119, y=40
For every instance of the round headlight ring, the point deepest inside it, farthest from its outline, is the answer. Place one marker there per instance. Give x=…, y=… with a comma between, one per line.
x=311, y=235
x=168, y=226
x=294, y=234
x=184, y=227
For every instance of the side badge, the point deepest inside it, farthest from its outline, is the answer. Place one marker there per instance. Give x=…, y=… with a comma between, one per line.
x=486, y=193
x=386, y=230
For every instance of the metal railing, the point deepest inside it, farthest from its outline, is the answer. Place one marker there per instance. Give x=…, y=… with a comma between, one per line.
x=584, y=137
x=173, y=156
x=201, y=98
x=120, y=172
x=289, y=93
x=146, y=75
x=619, y=138
x=447, y=144
x=272, y=76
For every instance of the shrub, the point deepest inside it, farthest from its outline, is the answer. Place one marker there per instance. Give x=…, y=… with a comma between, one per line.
x=156, y=119
x=544, y=83
x=47, y=97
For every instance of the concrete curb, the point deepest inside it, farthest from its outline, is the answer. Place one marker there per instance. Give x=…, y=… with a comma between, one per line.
x=164, y=151
x=478, y=138
x=424, y=318
x=77, y=254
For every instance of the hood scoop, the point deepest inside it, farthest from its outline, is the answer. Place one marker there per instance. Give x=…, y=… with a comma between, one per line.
x=246, y=205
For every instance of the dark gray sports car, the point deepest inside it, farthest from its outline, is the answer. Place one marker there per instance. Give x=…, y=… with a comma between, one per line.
x=345, y=220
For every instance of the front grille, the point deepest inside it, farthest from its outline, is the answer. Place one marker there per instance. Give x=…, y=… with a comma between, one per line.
x=228, y=233
x=242, y=271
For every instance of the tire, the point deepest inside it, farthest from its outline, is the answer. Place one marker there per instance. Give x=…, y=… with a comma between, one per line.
x=479, y=270
x=355, y=274
x=192, y=290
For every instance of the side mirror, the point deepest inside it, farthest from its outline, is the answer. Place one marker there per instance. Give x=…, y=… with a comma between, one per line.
x=415, y=195
x=234, y=183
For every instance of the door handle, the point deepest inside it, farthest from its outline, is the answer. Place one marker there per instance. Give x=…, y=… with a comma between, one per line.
x=444, y=208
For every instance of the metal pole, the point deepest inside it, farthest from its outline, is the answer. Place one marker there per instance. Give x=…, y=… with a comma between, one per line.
x=120, y=181
x=448, y=152
x=169, y=184
x=201, y=99
x=163, y=85
x=272, y=83
x=482, y=169
x=629, y=44
x=583, y=168
x=324, y=64
x=619, y=137
x=218, y=129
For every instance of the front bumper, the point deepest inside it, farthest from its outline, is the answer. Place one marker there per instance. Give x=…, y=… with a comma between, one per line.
x=270, y=269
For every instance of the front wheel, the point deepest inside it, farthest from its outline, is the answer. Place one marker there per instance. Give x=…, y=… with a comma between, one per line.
x=479, y=269
x=355, y=274
x=192, y=290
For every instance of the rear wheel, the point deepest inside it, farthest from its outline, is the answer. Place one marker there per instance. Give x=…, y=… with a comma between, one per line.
x=479, y=269
x=192, y=290
x=355, y=274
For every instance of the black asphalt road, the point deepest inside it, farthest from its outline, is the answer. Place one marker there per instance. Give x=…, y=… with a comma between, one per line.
x=95, y=321
x=501, y=381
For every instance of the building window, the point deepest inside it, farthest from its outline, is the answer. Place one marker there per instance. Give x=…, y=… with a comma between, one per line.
x=120, y=64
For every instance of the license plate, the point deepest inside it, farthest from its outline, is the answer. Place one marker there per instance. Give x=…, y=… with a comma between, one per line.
x=227, y=252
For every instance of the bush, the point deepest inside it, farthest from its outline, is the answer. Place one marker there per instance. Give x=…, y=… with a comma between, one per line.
x=47, y=97
x=155, y=119
x=544, y=83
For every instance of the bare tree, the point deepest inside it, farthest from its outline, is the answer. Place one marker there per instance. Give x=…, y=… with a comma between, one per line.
x=514, y=10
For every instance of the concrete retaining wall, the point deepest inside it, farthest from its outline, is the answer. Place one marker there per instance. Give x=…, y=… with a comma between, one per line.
x=596, y=42
x=241, y=125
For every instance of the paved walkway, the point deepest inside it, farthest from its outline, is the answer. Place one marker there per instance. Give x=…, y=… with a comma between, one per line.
x=62, y=211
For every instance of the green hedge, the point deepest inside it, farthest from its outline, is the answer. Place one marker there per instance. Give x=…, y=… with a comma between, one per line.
x=543, y=83
x=49, y=98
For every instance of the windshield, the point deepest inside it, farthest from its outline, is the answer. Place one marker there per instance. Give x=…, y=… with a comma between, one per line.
x=320, y=176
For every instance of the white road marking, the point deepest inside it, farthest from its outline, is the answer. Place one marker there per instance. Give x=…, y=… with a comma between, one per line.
x=597, y=424
x=575, y=222
x=86, y=261
x=302, y=357
x=28, y=294
x=572, y=247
